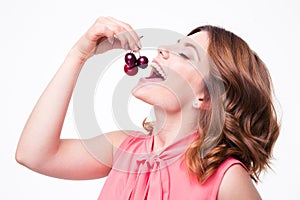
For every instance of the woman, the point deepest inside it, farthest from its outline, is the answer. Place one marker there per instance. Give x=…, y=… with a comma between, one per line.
x=215, y=122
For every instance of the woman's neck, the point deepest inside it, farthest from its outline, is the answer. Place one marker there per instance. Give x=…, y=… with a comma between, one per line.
x=171, y=126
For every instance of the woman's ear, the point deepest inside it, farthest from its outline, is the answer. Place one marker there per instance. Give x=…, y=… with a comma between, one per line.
x=204, y=104
x=201, y=104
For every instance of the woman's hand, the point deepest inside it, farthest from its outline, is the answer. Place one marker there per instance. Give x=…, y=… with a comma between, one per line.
x=105, y=34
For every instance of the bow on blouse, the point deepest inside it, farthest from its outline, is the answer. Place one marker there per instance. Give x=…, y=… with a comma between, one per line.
x=152, y=171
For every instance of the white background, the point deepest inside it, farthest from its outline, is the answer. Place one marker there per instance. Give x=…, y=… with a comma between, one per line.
x=36, y=35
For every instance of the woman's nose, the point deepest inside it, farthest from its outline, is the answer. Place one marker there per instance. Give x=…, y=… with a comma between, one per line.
x=164, y=53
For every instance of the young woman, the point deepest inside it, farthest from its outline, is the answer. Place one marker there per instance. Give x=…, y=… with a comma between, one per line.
x=215, y=122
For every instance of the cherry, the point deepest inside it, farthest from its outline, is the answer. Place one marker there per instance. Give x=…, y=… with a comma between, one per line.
x=142, y=62
x=130, y=59
x=131, y=71
x=132, y=63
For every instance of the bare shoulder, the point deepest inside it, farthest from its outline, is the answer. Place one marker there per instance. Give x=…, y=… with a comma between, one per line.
x=237, y=184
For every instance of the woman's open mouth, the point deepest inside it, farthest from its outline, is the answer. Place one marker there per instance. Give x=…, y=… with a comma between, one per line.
x=156, y=72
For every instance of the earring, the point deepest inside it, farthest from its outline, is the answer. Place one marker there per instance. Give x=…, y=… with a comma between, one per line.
x=196, y=103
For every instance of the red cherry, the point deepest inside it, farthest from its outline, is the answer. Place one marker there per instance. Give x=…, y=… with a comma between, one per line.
x=130, y=59
x=142, y=62
x=130, y=71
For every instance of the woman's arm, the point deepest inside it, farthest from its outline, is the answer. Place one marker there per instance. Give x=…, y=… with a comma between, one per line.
x=237, y=184
x=40, y=147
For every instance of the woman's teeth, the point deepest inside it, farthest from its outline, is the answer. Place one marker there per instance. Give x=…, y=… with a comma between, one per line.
x=157, y=72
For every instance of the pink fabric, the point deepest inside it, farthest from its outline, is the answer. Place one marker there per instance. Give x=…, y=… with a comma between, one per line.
x=140, y=174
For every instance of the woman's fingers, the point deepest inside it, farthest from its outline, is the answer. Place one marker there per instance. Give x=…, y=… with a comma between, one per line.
x=123, y=37
x=133, y=39
x=108, y=33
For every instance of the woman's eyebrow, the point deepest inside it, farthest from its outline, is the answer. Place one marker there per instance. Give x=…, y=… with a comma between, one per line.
x=188, y=44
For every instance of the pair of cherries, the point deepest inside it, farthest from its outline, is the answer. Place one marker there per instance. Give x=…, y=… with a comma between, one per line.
x=133, y=63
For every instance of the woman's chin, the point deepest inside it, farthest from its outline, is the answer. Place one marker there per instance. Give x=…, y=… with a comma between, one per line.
x=142, y=96
x=141, y=92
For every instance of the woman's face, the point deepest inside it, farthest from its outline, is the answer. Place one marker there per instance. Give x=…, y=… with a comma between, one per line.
x=177, y=74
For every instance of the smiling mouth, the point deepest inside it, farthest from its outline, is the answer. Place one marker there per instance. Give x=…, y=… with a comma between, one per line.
x=156, y=72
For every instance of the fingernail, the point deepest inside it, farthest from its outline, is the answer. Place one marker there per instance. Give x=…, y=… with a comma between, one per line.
x=138, y=47
x=139, y=43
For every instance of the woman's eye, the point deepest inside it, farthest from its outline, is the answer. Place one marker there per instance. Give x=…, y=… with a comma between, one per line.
x=184, y=56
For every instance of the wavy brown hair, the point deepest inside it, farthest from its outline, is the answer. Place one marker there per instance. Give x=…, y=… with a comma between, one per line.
x=250, y=126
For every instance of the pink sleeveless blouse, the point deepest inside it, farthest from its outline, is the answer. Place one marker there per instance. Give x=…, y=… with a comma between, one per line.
x=138, y=173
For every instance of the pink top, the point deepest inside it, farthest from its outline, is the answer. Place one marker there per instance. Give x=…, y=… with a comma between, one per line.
x=139, y=173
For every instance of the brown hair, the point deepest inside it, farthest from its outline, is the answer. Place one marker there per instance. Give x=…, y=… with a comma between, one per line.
x=250, y=123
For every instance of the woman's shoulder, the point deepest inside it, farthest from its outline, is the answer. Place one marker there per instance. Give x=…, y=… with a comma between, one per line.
x=215, y=180
x=222, y=169
x=230, y=162
x=235, y=181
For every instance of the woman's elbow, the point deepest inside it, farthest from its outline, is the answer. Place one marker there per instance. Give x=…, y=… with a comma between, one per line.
x=23, y=158
x=27, y=159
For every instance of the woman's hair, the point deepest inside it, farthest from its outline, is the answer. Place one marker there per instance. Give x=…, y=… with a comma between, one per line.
x=250, y=127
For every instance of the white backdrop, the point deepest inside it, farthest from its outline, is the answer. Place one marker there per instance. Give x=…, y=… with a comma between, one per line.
x=36, y=35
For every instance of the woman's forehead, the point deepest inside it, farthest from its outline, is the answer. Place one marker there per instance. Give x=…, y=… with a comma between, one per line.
x=201, y=38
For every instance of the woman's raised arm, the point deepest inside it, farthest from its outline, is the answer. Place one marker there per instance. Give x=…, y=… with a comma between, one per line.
x=40, y=147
